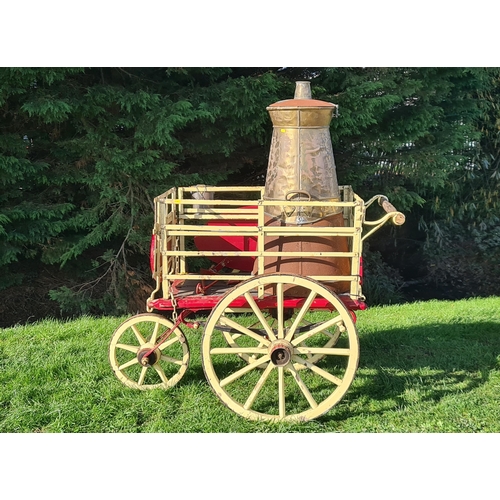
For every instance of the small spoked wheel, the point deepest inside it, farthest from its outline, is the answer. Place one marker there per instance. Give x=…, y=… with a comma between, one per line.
x=280, y=363
x=136, y=365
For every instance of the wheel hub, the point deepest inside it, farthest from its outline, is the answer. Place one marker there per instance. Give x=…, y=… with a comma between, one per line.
x=149, y=360
x=280, y=352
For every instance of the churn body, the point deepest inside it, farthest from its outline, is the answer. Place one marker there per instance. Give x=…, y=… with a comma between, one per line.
x=302, y=167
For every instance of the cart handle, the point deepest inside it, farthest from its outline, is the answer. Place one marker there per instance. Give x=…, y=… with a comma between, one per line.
x=398, y=218
x=392, y=214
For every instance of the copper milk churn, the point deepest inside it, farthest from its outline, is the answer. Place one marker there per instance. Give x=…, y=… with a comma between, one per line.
x=302, y=167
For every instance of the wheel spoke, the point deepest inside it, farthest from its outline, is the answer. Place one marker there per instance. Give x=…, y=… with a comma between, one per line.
x=138, y=335
x=143, y=375
x=126, y=365
x=303, y=387
x=253, y=357
x=260, y=316
x=164, y=357
x=328, y=376
x=300, y=315
x=236, y=375
x=130, y=348
x=168, y=342
x=161, y=373
x=249, y=402
x=281, y=391
x=320, y=328
x=279, y=297
x=231, y=341
x=330, y=334
x=155, y=334
x=333, y=338
x=329, y=351
x=225, y=321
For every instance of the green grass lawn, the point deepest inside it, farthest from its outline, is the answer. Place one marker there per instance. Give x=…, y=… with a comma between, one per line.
x=429, y=367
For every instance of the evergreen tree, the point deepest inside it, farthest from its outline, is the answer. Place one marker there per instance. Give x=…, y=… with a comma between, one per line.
x=84, y=151
x=425, y=137
x=463, y=228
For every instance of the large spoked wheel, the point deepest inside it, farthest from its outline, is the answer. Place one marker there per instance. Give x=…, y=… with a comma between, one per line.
x=280, y=364
x=134, y=338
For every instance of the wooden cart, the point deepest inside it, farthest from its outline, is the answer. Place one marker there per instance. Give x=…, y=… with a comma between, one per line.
x=267, y=354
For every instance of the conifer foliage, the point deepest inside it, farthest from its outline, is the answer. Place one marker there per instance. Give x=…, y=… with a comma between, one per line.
x=83, y=152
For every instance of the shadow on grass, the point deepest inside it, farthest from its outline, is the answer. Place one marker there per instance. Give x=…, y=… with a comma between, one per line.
x=419, y=364
x=404, y=366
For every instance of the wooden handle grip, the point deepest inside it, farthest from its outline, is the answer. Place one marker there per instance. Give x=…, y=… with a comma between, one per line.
x=399, y=218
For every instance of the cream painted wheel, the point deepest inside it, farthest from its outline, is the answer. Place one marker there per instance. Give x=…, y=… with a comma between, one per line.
x=134, y=338
x=297, y=374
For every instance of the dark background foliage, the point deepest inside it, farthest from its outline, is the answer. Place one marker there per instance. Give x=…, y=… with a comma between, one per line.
x=83, y=152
